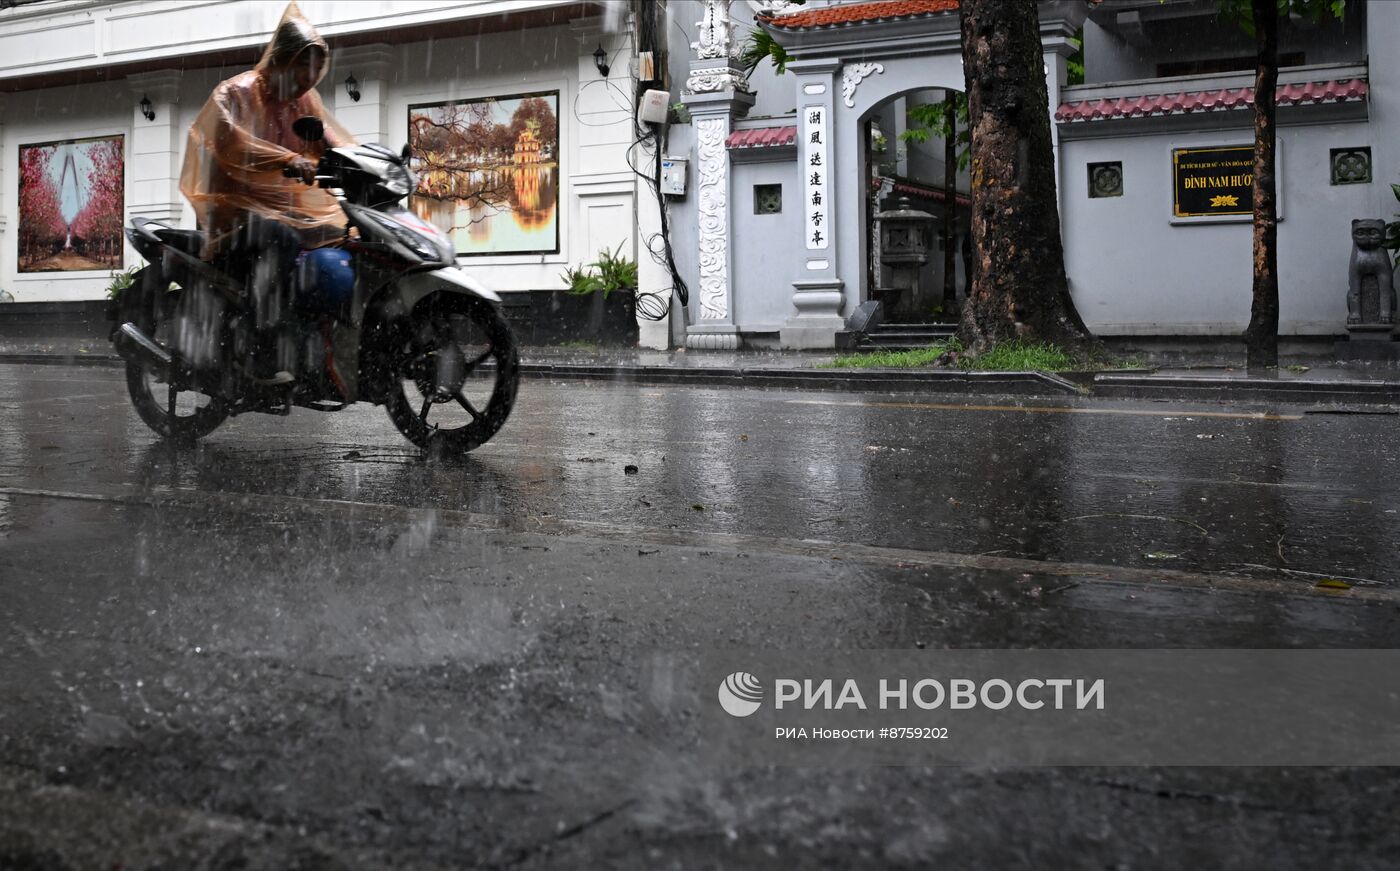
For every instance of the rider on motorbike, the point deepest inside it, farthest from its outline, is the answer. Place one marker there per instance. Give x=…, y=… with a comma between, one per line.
x=259, y=220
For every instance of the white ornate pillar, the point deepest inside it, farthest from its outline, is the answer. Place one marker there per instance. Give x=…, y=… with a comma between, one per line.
x=3, y=215
x=716, y=93
x=367, y=118
x=817, y=291
x=1059, y=22
x=153, y=155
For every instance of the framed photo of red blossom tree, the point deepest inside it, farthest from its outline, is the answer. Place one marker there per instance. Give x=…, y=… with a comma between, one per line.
x=488, y=172
x=72, y=198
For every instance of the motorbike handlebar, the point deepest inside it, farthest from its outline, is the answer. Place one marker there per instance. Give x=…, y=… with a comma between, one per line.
x=291, y=171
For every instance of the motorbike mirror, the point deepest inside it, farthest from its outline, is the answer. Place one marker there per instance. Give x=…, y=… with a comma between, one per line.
x=310, y=128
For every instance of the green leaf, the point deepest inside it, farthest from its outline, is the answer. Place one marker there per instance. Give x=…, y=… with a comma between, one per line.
x=761, y=46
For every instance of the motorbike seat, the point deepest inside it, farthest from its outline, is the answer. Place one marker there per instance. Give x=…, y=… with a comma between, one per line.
x=189, y=241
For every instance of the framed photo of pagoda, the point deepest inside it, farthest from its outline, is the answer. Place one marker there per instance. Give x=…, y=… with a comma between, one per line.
x=488, y=172
x=72, y=203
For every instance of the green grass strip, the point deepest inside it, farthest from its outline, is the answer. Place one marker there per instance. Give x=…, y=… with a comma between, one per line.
x=887, y=359
x=1019, y=356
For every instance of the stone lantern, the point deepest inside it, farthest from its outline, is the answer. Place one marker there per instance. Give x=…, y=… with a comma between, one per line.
x=906, y=235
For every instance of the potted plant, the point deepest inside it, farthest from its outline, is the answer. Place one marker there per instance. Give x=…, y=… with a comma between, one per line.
x=119, y=304
x=607, y=291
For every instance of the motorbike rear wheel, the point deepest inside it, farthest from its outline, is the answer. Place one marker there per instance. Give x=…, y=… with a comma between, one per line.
x=179, y=415
x=455, y=374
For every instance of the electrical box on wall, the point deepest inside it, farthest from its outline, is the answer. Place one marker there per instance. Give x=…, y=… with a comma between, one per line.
x=673, y=176
x=654, y=106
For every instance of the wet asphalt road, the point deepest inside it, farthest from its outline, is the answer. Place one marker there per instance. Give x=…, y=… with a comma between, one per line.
x=303, y=645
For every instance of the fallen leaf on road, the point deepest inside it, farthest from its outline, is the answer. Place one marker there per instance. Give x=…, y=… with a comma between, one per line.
x=629, y=469
x=697, y=507
x=1333, y=584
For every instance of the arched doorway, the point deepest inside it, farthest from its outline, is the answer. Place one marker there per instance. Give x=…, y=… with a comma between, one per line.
x=914, y=151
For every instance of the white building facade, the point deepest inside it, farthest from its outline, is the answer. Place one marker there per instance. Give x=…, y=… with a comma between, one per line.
x=772, y=254
x=78, y=70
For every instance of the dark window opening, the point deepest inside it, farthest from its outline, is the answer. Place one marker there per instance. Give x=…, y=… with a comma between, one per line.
x=1206, y=66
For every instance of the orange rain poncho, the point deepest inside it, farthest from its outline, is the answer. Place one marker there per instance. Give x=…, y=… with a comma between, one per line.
x=243, y=138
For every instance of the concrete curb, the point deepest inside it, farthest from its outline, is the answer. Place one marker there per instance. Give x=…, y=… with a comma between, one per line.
x=1104, y=385
x=875, y=381
x=884, y=381
x=1260, y=389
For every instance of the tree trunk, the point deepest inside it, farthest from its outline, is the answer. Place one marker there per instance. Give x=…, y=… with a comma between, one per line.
x=1019, y=287
x=950, y=205
x=1261, y=336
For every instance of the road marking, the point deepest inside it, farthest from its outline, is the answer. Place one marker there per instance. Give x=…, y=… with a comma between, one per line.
x=1052, y=409
x=597, y=532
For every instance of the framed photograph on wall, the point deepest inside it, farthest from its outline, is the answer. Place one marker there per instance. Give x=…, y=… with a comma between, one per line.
x=72, y=204
x=488, y=172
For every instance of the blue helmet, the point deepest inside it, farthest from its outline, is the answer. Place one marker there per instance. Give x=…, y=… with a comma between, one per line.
x=326, y=279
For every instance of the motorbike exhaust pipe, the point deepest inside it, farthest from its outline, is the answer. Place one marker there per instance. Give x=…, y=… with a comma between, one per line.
x=137, y=347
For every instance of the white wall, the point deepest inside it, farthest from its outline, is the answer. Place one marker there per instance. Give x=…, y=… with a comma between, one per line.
x=49, y=116
x=1134, y=272
x=1107, y=58
x=597, y=188
x=68, y=35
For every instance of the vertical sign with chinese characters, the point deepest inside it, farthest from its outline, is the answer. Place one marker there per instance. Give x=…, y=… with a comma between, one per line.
x=815, y=163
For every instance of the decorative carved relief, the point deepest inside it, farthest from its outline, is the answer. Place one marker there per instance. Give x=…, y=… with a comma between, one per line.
x=716, y=32
x=717, y=79
x=774, y=7
x=3, y=219
x=712, y=341
x=851, y=76
x=714, y=218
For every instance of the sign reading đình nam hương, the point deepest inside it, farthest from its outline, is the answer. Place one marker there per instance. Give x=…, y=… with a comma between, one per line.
x=1213, y=181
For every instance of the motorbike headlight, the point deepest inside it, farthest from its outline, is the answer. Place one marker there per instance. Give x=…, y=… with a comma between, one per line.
x=418, y=243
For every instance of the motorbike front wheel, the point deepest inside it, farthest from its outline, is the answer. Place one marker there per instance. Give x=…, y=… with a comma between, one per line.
x=456, y=371
x=179, y=415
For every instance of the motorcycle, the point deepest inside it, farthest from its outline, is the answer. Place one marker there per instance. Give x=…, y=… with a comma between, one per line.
x=384, y=316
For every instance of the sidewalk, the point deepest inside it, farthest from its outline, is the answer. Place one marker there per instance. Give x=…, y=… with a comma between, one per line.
x=1333, y=384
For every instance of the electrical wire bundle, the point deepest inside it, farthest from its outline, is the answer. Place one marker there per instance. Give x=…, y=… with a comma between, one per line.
x=647, y=34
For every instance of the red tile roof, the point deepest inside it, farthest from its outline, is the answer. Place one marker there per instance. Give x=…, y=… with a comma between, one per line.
x=762, y=137
x=1344, y=91
x=927, y=193
x=859, y=13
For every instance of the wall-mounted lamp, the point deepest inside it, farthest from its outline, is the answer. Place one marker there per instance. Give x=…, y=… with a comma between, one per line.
x=352, y=87
x=600, y=60
x=146, y=109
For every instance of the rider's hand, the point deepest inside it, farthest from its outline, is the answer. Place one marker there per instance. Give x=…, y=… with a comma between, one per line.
x=304, y=168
